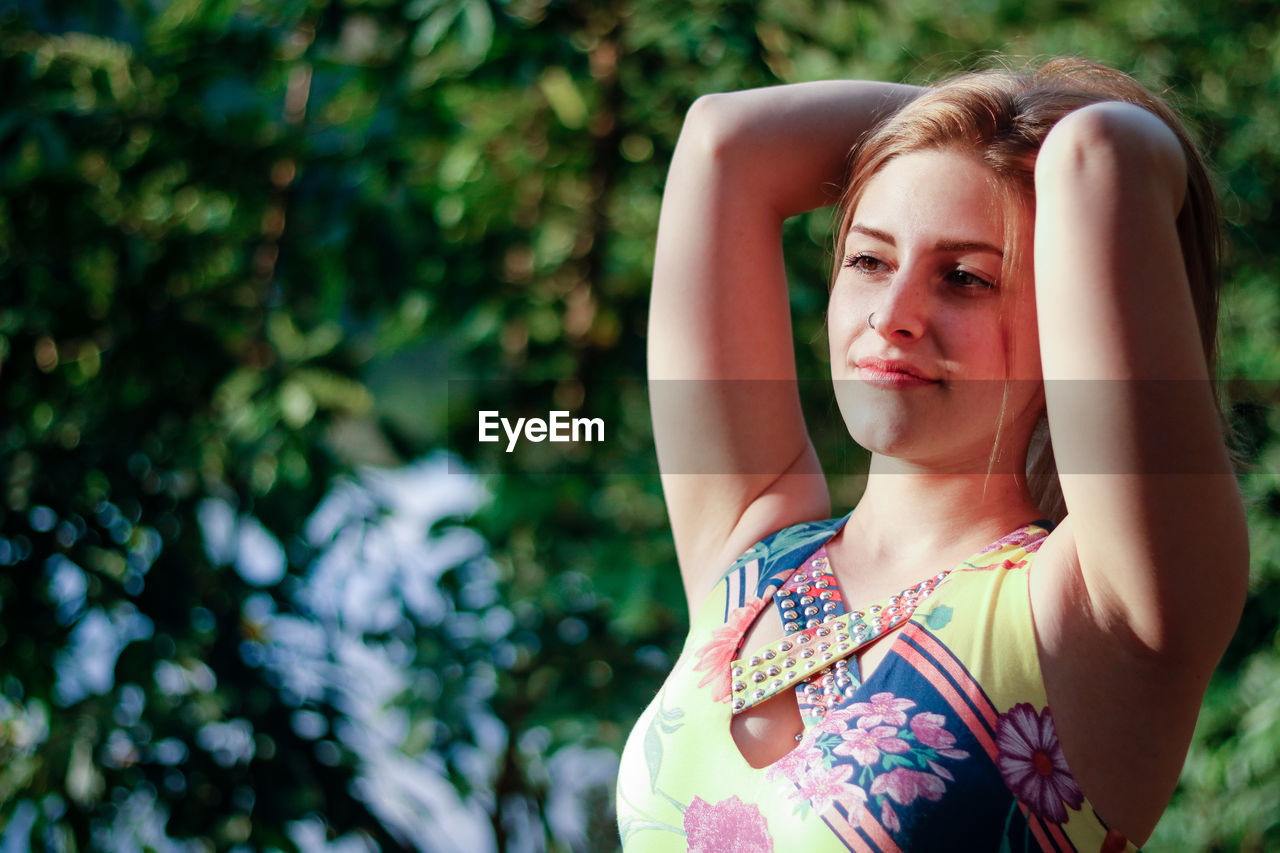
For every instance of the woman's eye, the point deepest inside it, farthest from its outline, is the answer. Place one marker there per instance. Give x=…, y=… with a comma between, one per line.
x=964, y=278
x=863, y=263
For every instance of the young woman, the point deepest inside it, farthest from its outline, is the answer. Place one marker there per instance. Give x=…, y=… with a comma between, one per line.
x=973, y=658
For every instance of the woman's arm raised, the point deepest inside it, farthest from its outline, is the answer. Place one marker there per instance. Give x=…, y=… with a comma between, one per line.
x=1137, y=593
x=1157, y=519
x=734, y=453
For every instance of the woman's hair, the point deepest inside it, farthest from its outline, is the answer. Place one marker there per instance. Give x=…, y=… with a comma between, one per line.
x=1003, y=117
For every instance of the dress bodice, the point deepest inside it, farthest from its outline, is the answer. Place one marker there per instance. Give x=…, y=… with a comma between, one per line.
x=948, y=745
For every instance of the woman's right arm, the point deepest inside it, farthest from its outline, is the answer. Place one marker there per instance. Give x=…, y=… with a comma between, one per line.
x=735, y=456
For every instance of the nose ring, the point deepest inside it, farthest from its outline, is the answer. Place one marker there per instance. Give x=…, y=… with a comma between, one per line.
x=871, y=325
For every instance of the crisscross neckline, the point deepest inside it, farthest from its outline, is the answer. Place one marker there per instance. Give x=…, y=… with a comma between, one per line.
x=821, y=633
x=820, y=630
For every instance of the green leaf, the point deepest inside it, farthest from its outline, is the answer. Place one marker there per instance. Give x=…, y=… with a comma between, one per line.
x=653, y=753
x=563, y=96
x=477, y=29
x=433, y=29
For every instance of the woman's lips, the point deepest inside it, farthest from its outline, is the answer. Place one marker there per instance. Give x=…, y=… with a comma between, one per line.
x=890, y=375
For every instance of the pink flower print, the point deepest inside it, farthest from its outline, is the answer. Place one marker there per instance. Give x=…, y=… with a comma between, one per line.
x=941, y=771
x=1031, y=762
x=865, y=745
x=928, y=729
x=797, y=763
x=729, y=825
x=821, y=787
x=904, y=786
x=715, y=656
x=1030, y=539
x=884, y=708
x=834, y=723
x=889, y=817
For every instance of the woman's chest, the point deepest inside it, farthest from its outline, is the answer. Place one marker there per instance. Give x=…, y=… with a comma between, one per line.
x=898, y=763
x=765, y=731
x=935, y=743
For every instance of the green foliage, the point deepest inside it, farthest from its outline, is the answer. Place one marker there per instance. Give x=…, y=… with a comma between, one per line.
x=248, y=246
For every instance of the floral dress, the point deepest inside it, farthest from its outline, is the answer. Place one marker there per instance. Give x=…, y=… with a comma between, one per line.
x=948, y=745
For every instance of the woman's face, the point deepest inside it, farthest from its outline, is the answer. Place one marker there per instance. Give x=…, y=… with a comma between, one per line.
x=925, y=255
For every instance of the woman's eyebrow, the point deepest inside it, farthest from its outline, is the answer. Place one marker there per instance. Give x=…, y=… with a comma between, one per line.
x=968, y=246
x=874, y=233
x=940, y=246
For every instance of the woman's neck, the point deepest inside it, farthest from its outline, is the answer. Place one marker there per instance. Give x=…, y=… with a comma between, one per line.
x=905, y=515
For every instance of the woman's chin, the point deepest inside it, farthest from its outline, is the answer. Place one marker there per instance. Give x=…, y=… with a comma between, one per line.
x=922, y=443
x=909, y=441
x=888, y=424
x=953, y=431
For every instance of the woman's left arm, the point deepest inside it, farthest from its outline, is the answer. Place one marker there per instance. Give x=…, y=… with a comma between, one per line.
x=1154, y=512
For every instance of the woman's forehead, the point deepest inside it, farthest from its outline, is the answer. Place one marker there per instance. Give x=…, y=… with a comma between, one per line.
x=941, y=195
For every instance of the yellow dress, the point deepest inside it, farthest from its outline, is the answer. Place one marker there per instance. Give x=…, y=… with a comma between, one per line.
x=949, y=745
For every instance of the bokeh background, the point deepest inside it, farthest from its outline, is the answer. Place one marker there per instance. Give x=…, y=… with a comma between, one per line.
x=261, y=263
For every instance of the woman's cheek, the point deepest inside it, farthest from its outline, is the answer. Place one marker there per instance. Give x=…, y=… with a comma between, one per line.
x=843, y=324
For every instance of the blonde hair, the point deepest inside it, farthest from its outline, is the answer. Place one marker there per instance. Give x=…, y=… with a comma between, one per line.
x=1002, y=116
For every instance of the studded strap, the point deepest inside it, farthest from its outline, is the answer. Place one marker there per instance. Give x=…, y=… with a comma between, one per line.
x=819, y=632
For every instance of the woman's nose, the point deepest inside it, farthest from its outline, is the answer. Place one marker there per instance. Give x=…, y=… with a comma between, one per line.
x=902, y=309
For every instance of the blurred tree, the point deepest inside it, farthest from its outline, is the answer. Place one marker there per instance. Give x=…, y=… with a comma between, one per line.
x=248, y=247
